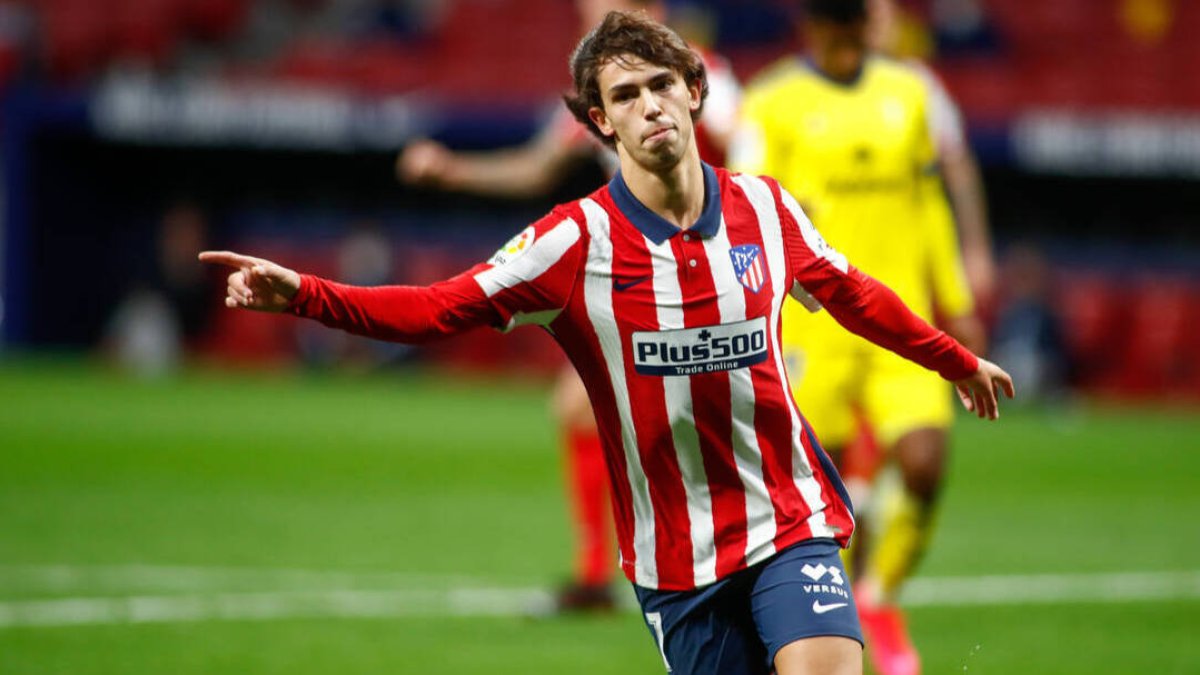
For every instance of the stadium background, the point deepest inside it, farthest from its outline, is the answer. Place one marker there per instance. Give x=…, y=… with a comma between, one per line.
x=193, y=490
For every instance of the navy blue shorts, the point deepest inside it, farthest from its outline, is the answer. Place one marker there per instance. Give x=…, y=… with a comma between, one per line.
x=735, y=626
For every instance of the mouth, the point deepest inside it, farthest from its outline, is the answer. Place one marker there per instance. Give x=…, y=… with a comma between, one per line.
x=657, y=134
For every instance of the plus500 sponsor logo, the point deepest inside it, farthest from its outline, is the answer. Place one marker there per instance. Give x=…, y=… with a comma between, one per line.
x=709, y=349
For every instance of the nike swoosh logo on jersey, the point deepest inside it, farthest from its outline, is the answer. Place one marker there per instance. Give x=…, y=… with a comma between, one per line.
x=818, y=608
x=619, y=285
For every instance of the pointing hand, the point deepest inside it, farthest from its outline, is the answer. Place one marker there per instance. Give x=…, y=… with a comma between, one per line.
x=257, y=284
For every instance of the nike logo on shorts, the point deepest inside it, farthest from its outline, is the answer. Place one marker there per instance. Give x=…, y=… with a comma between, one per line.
x=619, y=285
x=818, y=608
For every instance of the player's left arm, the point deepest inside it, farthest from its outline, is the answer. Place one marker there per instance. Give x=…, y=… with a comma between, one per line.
x=953, y=300
x=873, y=311
x=953, y=296
x=963, y=184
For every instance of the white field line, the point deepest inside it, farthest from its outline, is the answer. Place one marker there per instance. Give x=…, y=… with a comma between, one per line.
x=1052, y=589
x=127, y=579
x=424, y=600
x=501, y=602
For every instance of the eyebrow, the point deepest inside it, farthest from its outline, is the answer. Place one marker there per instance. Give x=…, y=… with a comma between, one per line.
x=659, y=75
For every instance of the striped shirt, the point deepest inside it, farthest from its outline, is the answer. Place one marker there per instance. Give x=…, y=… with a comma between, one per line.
x=675, y=334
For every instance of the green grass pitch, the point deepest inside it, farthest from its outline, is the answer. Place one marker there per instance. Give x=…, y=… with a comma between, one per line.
x=410, y=482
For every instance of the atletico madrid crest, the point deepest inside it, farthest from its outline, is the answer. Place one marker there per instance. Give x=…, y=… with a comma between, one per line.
x=748, y=266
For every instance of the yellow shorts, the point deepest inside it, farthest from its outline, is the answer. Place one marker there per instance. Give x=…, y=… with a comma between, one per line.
x=852, y=376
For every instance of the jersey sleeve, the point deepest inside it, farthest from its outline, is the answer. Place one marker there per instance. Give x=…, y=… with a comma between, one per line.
x=858, y=302
x=409, y=314
x=529, y=280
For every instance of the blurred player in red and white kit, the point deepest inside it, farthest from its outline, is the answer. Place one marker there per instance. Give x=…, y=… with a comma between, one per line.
x=534, y=169
x=664, y=288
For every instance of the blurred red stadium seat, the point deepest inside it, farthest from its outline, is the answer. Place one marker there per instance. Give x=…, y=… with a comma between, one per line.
x=986, y=89
x=1156, y=359
x=147, y=31
x=1093, y=310
x=315, y=61
x=506, y=51
x=241, y=337
x=10, y=61
x=76, y=37
x=387, y=67
x=213, y=19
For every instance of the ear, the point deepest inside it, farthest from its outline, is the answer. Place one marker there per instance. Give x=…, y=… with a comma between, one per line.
x=694, y=99
x=600, y=119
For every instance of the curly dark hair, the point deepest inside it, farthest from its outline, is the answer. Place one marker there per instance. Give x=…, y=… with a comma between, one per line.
x=621, y=35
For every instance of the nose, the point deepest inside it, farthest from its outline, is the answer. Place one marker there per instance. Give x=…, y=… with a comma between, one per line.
x=650, y=107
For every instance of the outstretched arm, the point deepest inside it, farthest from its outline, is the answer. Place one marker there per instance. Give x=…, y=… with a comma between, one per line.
x=869, y=309
x=527, y=281
x=873, y=311
x=408, y=314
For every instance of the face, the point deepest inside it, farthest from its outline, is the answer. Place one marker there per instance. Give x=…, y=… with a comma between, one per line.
x=648, y=110
x=838, y=49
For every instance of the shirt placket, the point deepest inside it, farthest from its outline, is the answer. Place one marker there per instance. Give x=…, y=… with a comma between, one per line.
x=689, y=251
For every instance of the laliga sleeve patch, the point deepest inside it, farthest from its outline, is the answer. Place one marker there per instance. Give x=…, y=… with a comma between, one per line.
x=515, y=248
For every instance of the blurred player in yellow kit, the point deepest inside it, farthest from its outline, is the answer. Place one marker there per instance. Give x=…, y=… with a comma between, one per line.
x=850, y=135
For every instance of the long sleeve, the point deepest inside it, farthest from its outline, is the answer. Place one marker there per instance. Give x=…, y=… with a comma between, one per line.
x=408, y=314
x=528, y=281
x=871, y=310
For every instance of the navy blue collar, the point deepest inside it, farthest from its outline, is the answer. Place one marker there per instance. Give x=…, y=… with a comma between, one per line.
x=656, y=228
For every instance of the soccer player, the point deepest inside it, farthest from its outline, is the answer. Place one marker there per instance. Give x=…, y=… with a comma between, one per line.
x=532, y=169
x=958, y=171
x=664, y=289
x=849, y=135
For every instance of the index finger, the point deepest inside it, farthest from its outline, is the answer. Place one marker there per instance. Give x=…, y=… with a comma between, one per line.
x=228, y=258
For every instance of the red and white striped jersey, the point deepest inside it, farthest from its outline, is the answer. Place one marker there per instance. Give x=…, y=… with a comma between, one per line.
x=676, y=335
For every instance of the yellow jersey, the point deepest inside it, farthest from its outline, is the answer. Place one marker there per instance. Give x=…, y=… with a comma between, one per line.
x=861, y=160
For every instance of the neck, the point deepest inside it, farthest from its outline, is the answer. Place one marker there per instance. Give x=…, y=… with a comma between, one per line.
x=675, y=193
x=825, y=67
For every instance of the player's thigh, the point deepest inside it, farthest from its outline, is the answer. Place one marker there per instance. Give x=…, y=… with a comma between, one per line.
x=709, y=631
x=802, y=594
x=824, y=384
x=900, y=397
x=827, y=655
